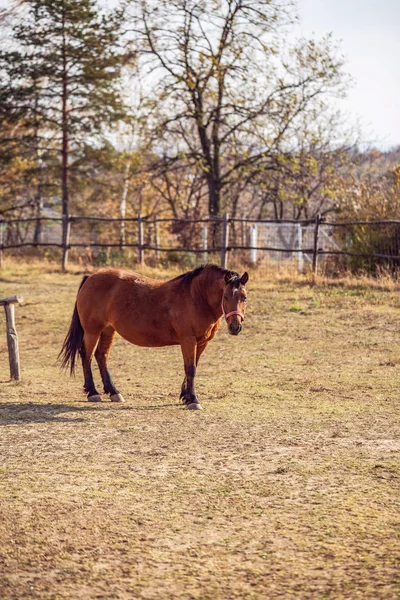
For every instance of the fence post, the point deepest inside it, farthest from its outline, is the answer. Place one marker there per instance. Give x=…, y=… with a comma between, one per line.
x=1, y=242
x=140, y=239
x=253, y=244
x=242, y=232
x=204, y=243
x=300, y=258
x=315, y=248
x=225, y=240
x=157, y=238
x=65, y=240
x=12, y=338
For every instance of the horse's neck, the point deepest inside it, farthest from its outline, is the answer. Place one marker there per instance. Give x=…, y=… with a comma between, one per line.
x=209, y=286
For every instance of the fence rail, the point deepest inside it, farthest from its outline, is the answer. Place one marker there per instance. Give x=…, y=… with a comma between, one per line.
x=278, y=238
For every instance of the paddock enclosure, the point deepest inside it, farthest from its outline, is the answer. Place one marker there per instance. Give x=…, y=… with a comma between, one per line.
x=285, y=486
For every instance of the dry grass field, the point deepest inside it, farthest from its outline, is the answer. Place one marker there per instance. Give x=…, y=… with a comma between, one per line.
x=285, y=486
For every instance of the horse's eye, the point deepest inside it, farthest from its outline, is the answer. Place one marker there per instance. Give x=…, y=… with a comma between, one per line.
x=226, y=297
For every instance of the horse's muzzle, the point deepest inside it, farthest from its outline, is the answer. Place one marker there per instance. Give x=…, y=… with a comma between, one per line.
x=234, y=328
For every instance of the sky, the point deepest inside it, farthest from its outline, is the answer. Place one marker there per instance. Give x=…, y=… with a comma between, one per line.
x=369, y=36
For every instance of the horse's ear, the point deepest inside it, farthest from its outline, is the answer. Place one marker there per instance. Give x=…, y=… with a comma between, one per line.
x=244, y=278
x=228, y=277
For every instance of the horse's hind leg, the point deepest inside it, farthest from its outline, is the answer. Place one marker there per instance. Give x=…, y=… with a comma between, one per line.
x=89, y=344
x=102, y=353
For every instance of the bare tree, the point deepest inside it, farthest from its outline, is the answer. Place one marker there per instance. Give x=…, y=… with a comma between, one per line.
x=223, y=92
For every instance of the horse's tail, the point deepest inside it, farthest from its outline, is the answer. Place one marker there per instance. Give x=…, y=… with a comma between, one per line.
x=73, y=342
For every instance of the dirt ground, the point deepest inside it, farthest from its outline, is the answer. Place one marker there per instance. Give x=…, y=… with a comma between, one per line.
x=285, y=486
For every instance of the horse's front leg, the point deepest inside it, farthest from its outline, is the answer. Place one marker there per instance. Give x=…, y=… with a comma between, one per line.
x=189, y=350
x=199, y=351
x=183, y=390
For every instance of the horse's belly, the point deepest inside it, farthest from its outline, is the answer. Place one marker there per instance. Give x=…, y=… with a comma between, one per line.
x=146, y=336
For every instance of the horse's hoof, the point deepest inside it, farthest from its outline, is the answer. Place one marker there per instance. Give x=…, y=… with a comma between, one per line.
x=94, y=398
x=194, y=406
x=117, y=398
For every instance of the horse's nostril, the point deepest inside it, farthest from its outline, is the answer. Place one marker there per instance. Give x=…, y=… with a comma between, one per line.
x=235, y=329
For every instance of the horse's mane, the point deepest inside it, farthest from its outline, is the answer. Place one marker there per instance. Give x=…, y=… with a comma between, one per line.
x=187, y=278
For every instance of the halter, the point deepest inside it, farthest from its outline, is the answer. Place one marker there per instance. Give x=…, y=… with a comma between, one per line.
x=233, y=312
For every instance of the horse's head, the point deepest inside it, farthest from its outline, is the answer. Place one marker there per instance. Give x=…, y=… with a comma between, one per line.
x=234, y=300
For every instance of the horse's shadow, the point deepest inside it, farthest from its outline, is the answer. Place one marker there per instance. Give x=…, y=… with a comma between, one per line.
x=21, y=413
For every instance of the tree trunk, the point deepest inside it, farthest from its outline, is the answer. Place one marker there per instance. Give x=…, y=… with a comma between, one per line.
x=214, y=196
x=122, y=207
x=37, y=236
x=211, y=164
x=64, y=151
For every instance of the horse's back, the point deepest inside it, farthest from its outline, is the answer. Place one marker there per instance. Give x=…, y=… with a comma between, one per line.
x=108, y=278
x=137, y=307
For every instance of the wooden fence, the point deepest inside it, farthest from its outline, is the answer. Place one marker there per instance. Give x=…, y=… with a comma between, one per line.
x=313, y=253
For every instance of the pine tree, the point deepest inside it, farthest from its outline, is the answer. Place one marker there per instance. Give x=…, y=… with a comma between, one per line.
x=62, y=78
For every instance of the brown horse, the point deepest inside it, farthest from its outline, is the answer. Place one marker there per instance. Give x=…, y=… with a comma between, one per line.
x=186, y=310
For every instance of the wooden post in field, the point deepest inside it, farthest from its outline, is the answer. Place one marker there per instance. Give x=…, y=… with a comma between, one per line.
x=315, y=248
x=12, y=338
x=225, y=241
x=204, y=243
x=140, y=239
